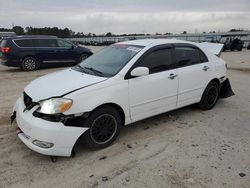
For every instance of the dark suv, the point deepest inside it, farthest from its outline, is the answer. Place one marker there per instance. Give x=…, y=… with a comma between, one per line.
x=32, y=52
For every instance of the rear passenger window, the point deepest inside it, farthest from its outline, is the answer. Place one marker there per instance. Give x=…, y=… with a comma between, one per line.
x=24, y=42
x=186, y=56
x=157, y=61
x=203, y=57
x=45, y=43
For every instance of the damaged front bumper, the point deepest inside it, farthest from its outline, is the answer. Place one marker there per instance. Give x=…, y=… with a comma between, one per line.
x=45, y=137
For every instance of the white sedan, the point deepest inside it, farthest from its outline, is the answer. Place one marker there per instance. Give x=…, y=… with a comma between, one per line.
x=121, y=84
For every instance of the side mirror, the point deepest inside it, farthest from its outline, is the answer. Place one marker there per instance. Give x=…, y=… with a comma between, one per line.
x=140, y=71
x=72, y=47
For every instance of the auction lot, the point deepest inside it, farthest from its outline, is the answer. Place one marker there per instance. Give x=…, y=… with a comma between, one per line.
x=184, y=148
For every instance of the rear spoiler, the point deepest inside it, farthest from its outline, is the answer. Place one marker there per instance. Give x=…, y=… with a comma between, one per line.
x=215, y=48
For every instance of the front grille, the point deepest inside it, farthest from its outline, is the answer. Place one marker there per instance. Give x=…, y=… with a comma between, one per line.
x=27, y=99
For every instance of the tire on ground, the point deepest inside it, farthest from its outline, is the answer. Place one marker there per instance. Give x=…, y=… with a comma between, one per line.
x=29, y=64
x=210, y=96
x=89, y=136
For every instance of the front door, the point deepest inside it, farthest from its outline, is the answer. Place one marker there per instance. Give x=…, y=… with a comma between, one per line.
x=67, y=52
x=157, y=92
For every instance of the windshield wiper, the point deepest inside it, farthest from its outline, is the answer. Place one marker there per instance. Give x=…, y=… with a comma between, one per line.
x=79, y=67
x=94, y=70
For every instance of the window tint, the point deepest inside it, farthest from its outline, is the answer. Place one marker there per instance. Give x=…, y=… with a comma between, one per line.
x=45, y=43
x=186, y=56
x=203, y=57
x=157, y=61
x=24, y=43
x=64, y=44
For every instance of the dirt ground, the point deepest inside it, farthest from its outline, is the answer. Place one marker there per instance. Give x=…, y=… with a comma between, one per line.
x=184, y=148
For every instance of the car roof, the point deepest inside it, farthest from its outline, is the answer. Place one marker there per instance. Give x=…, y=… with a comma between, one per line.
x=214, y=48
x=154, y=42
x=30, y=36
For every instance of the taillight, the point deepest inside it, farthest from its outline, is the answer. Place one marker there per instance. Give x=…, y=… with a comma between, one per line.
x=5, y=50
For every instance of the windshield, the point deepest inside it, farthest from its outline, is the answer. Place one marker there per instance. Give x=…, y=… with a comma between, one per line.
x=109, y=61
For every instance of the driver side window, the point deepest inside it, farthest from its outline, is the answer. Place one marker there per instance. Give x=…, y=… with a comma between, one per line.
x=157, y=61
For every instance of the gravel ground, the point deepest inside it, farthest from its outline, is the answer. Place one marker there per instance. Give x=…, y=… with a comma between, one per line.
x=184, y=148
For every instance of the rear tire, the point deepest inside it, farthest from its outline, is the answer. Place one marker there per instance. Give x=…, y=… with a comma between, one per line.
x=104, y=127
x=210, y=96
x=29, y=64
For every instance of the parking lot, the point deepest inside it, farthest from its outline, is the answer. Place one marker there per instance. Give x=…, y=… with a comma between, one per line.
x=184, y=148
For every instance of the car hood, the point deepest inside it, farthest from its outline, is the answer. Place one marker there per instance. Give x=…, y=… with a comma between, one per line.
x=59, y=84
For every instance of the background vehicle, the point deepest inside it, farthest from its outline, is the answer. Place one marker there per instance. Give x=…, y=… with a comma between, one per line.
x=233, y=44
x=121, y=84
x=32, y=52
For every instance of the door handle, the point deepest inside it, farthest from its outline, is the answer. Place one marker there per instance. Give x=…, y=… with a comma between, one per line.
x=205, y=68
x=172, y=76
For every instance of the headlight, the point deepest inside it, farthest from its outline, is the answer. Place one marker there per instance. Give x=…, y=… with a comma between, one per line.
x=55, y=105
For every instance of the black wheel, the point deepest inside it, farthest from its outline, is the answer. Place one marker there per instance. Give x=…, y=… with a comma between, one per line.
x=29, y=64
x=210, y=96
x=83, y=57
x=104, y=127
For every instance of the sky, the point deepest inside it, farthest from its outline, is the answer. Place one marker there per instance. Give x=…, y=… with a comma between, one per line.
x=128, y=16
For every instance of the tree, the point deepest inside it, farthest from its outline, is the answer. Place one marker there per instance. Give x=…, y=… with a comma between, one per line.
x=109, y=34
x=18, y=30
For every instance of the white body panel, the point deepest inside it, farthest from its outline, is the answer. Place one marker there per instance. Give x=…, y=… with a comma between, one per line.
x=59, y=83
x=139, y=98
x=192, y=82
x=152, y=94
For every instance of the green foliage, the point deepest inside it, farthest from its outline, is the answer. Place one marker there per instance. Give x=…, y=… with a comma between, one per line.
x=18, y=30
x=55, y=31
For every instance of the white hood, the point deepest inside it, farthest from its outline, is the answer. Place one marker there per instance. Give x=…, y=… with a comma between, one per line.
x=59, y=83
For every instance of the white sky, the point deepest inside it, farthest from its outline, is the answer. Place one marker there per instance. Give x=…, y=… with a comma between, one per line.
x=128, y=16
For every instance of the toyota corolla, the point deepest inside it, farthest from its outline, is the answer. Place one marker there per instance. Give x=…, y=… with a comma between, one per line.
x=121, y=84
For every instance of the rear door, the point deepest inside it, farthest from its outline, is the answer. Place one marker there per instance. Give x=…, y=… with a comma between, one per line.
x=157, y=92
x=194, y=71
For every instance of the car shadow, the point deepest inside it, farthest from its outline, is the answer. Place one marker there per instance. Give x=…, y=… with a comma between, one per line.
x=172, y=119
x=19, y=70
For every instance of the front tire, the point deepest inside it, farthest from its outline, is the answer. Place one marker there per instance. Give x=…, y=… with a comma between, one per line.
x=210, y=96
x=104, y=127
x=29, y=64
x=83, y=57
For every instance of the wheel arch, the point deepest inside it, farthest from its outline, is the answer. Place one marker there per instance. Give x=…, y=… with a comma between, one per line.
x=26, y=56
x=212, y=80
x=215, y=80
x=116, y=107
